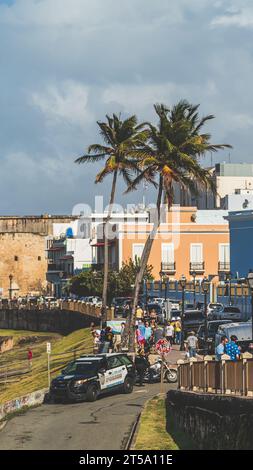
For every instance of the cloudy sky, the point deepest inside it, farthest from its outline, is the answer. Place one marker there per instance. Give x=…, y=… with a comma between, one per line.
x=65, y=64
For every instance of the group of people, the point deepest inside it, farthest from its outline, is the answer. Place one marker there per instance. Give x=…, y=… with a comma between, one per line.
x=231, y=348
x=148, y=332
x=104, y=339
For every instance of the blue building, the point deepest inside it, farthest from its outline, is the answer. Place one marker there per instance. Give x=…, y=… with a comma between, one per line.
x=241, y=242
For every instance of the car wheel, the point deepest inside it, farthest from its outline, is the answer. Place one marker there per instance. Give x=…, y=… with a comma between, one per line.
x=128, y=385
x=171, y=376
x=92, y=393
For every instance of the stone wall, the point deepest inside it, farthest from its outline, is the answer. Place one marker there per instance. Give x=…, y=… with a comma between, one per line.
x=215, y=422
x=22, y=252
x=58, y=321
x=6, y=343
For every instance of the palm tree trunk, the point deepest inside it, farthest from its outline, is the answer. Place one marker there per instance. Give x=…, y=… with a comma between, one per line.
x=106, y=249
x=143, y=264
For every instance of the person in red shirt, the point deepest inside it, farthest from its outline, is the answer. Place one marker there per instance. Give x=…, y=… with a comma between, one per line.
x=30, y=357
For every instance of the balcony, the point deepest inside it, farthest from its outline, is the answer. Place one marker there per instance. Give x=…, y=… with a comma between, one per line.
x=197, y=267
x=100, y=266
x=223, y=267
x=168, y=268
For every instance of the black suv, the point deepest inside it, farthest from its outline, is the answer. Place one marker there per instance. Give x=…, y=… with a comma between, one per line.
x=92, y=375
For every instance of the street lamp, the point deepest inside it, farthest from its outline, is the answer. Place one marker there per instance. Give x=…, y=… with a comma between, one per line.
x=250, y=283
x=182, y=282
x=61, y=274
x=10, y=289
x=194, y=274
x=228, y=280
x=205, y=288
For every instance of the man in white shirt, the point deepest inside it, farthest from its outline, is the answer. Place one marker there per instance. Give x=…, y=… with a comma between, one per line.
x=192, y=344
x=169, y=332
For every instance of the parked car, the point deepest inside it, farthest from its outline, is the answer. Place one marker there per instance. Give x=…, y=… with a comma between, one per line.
x=243, y=331
x=214, y=307
x=189, y=306
x=212, y=328
x=192, y=320
x=121, y=306
x=160, y=312
x=93, y=375
x=227, y=313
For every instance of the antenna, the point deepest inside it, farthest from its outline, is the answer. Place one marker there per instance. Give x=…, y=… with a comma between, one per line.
x=229, y=158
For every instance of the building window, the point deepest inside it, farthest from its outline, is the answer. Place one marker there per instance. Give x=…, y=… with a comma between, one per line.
x=39, y=258
x=168, y=253
x=196, y=253
x=137, y=250
x=224, y=257
x=15, y=258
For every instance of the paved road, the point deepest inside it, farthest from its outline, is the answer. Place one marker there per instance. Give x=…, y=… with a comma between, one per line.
x=102, y=425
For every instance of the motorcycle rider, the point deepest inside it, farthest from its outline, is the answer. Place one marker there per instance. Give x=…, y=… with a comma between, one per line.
x=141, y=365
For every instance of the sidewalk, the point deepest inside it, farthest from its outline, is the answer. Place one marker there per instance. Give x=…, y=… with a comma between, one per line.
x=173, y=356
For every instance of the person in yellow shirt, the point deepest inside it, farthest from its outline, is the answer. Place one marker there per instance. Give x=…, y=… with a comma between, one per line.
x=178, y=330
x=139, y=313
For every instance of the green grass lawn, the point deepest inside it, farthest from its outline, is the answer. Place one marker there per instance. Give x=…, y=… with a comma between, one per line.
x=38, y=378
x=152, y=433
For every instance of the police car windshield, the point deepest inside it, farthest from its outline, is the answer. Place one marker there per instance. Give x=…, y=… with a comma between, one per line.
x=85, y=368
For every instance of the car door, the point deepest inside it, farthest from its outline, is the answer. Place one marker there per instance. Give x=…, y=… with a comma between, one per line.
x=115, y=374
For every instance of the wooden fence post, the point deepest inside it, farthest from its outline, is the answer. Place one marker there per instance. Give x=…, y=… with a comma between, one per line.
x=206, y=360
x=224, y=358
x=245, y=356
x=179, y=362
x=191, y=362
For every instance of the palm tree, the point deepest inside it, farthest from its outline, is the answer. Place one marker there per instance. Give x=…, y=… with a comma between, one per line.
x=120, y=138
x=172, y=152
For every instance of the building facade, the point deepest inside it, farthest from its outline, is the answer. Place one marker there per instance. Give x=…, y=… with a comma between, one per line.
x=189, y=242
x=22, y=253
x=241, y=236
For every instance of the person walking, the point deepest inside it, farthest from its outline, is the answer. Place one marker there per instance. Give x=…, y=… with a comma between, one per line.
x=232, y=349
x=178, y=330
x=169, y=332
x=220, y=349
x=141, y=365
x=192, y=344
x=109, y=339
x=30, y=358
x=139, y=313
x=158, y=333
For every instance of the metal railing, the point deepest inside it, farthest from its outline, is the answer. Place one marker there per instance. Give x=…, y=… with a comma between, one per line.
x=223, y=266
x=198, y=267
x=168, y=267
x=220, y=377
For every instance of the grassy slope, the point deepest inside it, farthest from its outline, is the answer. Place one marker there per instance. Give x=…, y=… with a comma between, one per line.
x=37, y=378
x=152, y=433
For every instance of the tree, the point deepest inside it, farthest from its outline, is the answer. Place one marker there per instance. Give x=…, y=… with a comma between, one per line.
x=172, y=153
x=119, y=283
x=121, y=137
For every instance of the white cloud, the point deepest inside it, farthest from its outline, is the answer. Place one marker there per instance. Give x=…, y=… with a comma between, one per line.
x=66, y=103
x=238, y=13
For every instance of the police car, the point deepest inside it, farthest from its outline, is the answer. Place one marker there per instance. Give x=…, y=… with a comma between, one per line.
x=92, y=375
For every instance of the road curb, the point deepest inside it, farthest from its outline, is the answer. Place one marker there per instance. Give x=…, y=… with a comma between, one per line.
x=133, y=431
x=2, y=425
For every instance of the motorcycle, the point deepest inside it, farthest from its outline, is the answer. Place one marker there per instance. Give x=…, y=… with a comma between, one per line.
x=153, y=373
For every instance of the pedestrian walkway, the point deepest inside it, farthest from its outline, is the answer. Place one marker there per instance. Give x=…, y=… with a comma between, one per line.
x=173, y=356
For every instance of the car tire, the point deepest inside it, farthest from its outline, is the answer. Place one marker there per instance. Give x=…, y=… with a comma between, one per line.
x=128, y=385
x=92, y=393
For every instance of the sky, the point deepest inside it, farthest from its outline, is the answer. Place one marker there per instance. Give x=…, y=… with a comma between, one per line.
x=64, y=65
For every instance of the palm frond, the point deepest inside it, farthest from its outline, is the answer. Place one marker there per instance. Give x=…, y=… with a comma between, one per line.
x=91, y=158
